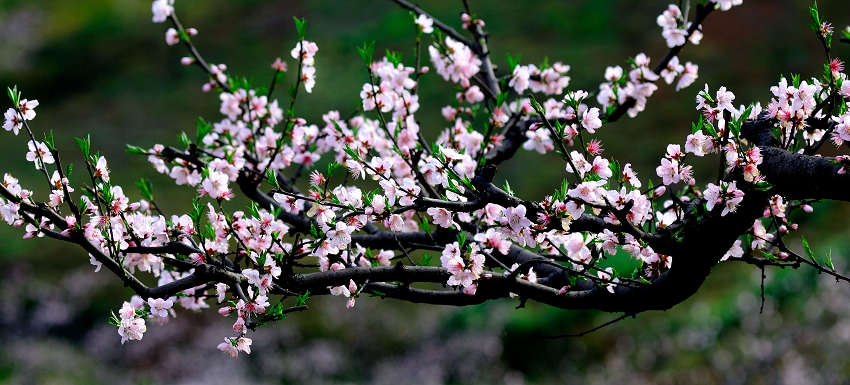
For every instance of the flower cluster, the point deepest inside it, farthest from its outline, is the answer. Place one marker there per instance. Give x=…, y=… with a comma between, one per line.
x=380, y=195
x=638, y=85
x=675, y=29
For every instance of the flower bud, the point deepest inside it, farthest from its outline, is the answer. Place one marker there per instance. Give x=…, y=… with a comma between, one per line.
x=187, y=61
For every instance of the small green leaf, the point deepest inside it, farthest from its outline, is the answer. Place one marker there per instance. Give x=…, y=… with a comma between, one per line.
x=302, y=299
x=300, y=27
x=366, y=52
x=813, y=12
x=808, y=250
x=203, y=128
x=271, y=179
x=145, y=188
x=14, y=95
x=85, y=145
x=394, y=57
x=184, y=139
x=513, y=62
x=134, y=150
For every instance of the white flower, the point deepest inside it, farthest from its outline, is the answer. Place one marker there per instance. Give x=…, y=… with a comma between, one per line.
x=161, y=10
x=425, y=24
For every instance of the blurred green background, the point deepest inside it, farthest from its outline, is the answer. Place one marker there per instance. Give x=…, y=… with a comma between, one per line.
x=102, y=67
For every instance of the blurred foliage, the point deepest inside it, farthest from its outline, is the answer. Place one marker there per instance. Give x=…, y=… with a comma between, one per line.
x=101, y=67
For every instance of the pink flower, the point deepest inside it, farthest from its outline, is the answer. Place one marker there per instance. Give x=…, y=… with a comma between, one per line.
x=726, y=194
x=424, y=23
x=538, y=140
x=308, y=77
x=228, y=347
x=161, y=10
x=159, y=307
x=308, y=53
x=36, y=149
x=216, y=186
x=340, y=236
x=668, y=171
x=13, y=121
x=172, y=37
x=590, y=120
x=601, y=168
x=441, y=217
x=520, y=79
x=725, y=5
x=724, y=100
x=493, y=239
x=100, y=169
x=515, y=218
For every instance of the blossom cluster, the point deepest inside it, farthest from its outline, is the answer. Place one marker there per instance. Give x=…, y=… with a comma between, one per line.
x=380, y=194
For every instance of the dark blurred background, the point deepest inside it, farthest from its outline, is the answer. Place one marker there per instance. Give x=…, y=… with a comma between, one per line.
x=102, y=67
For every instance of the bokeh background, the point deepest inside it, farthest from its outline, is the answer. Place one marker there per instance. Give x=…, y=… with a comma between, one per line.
x=101, y=67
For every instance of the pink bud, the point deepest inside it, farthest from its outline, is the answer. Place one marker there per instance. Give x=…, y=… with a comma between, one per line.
x=424, y=70
x=783, y=255
x=192, y=31
x=807, y=208
x=207, y=87
x=225, y=311
x=239, y=325
x=659, y=191
x=187, y=61
x=783, y=229
x=794, y=226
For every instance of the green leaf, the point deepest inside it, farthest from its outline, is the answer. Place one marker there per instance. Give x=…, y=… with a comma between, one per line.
x=197, y=211
x=302, y=299
x=14, y=95
x=271, y=179
x=48, y=140
x=394, y=57
x=85, y=145
x=508, y=189
x=254, y=210
x=829, y=260
x=134, y=150
x=300, y=27
x=513, y=62
x=366, y=52
x=332, y=168
x=813, y=12
x=808, y=250
x=184, y=139
x=145, y=188
x=203, y=128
